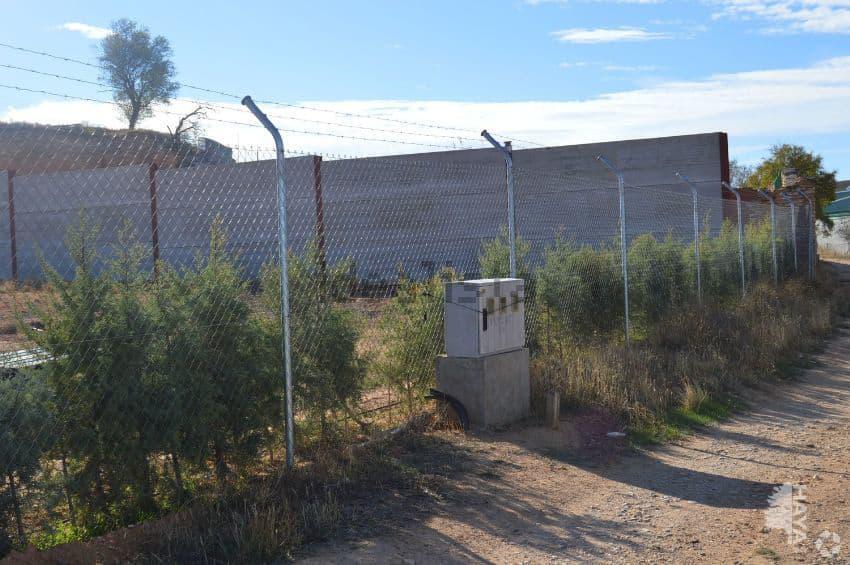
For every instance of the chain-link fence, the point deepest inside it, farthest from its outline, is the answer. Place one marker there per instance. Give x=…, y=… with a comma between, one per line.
x=141, y=306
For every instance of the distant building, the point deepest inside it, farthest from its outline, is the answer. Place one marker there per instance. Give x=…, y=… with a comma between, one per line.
x=839, y=212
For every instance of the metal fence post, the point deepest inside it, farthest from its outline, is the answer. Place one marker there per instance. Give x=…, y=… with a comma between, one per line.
x=793, y=226
x=284, y=275
x=696, y=234
x=740, y=235
x=624, y=250
x=507, y=154
x=772, y=235
x=809, y=235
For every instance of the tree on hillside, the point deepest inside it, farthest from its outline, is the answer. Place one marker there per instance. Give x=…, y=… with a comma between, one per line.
x=808, y=165
x=139, y=69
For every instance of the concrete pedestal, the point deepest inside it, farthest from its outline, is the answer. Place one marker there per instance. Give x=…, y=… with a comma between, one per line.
x=494, y=389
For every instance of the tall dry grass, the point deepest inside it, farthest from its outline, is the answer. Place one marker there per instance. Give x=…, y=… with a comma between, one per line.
x=693, y=354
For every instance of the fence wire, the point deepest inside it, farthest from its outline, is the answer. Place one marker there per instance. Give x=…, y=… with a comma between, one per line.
x=140, y=313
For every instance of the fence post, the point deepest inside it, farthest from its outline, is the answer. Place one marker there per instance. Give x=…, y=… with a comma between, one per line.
x=793, y=226
x=320, y=218
x=152, y=168
x=809, y=235
x=13, y=237
x=624, y=250
x=772, y=236
x=737, y=194
x=507, y=154
x=696, y=234
x=284, y=275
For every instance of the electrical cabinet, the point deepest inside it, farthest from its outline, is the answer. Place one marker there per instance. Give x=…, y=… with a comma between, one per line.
x=484, y=317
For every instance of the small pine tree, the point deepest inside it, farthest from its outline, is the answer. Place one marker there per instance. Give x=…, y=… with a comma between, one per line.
x=26, y=431
x=327, y=370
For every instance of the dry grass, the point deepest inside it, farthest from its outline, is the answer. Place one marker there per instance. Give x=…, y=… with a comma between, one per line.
x=694, y=355
x=270, y=518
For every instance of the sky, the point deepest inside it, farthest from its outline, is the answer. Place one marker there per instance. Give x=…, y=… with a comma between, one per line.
x=550, y=72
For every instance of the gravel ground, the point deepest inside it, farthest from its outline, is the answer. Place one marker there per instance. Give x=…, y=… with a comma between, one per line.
x=533, y=495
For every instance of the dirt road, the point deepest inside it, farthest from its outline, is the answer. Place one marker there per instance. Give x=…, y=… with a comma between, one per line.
x=536, y=496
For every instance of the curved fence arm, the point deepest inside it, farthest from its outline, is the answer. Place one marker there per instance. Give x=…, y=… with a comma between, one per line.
x=507, y=154
x=284, y=275
x=624, y=249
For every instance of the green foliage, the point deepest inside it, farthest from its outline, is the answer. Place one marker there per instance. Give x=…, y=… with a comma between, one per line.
x=658, y=275
x=25, y=433
x=97, y=331
x=494, y=259
x=324, y=334
x=228, y=396
x=808, y=165
x=582, y=288
x=411, y=335
x=720, y=259
x=138, y=67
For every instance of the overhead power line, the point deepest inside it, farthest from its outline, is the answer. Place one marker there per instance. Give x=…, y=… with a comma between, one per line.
x=232, y=122
x=287, y=104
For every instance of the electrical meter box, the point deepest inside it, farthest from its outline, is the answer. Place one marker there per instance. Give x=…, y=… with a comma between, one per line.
x=484, y=317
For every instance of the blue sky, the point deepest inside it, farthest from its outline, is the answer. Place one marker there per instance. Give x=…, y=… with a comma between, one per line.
x=550, y=71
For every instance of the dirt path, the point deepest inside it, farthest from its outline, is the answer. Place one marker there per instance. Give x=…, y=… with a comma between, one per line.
x=532, y=495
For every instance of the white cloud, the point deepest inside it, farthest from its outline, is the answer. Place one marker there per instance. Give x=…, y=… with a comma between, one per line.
x=574, y=64
x=90, y=31
x=776, y=102
x=820, y=16
x=608, y=35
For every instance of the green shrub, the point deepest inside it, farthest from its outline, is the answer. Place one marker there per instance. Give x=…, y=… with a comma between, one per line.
x=581, y=288
x=411, y=335
x=324, y=335
x=658, y=275
x=213, y=354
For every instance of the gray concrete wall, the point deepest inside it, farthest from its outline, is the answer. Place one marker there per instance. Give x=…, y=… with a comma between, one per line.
x=244, y=196
x=418, y=212
x=48, y=205
x=432, y=209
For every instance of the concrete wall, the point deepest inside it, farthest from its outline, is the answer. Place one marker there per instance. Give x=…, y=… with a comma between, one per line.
x=47, y=205
x=418, y=212
x=429, y=210
x=244, y=197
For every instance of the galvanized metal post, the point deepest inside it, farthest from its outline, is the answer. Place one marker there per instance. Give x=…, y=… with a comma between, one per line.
x=284, y=276
x=507, y=154
x=696, y=234
x=740, y=235
x=793, y=226
x=810, y=234
x=772, y=236
x=624, y=249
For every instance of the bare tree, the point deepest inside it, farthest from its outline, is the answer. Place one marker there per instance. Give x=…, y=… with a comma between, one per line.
x=188, y=126
x=138, y=67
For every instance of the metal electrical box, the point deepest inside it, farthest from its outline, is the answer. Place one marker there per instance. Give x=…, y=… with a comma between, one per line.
x=484, y=317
